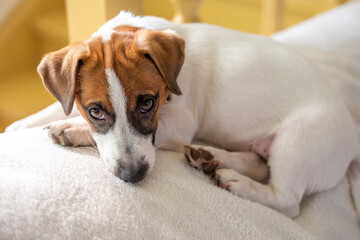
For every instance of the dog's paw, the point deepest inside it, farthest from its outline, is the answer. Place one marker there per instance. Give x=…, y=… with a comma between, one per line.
x=227, y=178
x=201, y=159
x=66, y=133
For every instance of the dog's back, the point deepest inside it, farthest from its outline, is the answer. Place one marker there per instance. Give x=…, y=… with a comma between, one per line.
x=343, y=75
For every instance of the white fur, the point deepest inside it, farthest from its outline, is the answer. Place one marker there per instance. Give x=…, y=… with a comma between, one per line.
x=239, y=88
x=112, y=145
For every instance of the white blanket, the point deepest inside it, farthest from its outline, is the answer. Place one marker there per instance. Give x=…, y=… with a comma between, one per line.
x=52, y=192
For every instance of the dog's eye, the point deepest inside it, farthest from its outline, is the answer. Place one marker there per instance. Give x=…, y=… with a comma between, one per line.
x=147, y=104
x=96, y=113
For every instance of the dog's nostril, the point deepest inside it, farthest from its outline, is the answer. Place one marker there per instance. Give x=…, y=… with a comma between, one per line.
x=133, y=175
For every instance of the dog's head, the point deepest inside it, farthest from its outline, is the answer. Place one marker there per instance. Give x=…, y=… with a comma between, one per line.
x=119, y=86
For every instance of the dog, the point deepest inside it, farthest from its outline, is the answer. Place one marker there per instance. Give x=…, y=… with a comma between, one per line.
x=280, y=127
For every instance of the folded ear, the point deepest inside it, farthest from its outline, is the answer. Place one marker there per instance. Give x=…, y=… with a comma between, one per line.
x=166, y=49
x=58, y=71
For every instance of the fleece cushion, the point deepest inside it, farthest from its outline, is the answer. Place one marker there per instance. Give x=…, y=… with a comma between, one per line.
x=53, y=192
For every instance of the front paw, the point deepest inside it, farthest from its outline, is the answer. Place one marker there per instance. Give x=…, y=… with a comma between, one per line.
x=66, y=133
x=200, y=159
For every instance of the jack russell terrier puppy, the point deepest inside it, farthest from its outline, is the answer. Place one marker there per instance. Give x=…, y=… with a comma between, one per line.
x=282, y=126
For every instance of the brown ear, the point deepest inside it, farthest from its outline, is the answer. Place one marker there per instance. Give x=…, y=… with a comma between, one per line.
x=166, y=49
x=58, y=71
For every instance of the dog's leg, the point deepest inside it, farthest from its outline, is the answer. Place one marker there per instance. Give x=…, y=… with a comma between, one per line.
x=310, y=152
x=49, y=114
x=70, y=132
x=169, y=136
x=208, y=159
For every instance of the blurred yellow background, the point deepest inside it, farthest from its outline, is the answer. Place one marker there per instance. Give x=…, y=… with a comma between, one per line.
x=30, y=28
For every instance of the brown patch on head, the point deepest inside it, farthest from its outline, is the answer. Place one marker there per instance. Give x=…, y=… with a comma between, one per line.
x=141, y=71
x=146, y=62
x=92, y=88
x=77, y=73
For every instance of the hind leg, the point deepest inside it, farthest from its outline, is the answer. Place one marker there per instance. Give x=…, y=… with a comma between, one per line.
x=208, y=159
x=310, y=152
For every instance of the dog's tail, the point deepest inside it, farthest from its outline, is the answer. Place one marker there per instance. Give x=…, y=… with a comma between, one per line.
x=354, y=178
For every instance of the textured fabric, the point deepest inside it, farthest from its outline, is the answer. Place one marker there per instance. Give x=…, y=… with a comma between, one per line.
x=52, y=192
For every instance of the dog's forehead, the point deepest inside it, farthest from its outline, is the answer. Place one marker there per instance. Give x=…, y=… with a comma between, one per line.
x=103, y=48
x=136, y=73
x=120, y=52
x=116, y=67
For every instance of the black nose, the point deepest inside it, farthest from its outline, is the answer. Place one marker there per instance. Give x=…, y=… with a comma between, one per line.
x=133, y=174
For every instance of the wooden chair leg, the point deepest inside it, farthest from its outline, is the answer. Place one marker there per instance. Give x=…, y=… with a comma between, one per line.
x=272, y=16
x=186, y=10
x=85, y=16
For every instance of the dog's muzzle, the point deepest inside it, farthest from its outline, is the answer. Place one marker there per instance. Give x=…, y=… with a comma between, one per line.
x=132, y=174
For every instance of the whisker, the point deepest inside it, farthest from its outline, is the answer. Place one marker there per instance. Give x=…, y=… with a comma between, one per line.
x=158, y=147
x=91, y=148
x=94, y=146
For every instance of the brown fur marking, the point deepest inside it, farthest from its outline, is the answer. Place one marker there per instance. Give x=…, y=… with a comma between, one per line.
x=140, y=59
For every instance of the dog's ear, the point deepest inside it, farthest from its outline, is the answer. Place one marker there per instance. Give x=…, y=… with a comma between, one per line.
x=58, y=71
x=166, y=50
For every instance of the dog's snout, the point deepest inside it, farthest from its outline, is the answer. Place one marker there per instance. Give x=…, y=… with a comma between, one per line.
x=133, y=174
